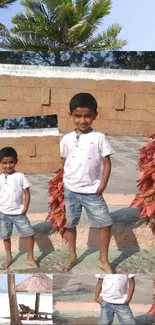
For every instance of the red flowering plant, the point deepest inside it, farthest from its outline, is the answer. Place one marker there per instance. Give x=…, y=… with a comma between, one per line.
x=57, y=204
x=152, y=309
x=145, y=200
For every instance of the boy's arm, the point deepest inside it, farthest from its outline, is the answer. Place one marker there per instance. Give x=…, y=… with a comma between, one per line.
x=26, y=200
x=98, y=291
x=105, y=175
x=131, y=290
x=63, y=162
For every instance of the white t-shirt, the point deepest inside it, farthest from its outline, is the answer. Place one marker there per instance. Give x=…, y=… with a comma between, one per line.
x=83, y=160
x=115, y=287
x=11, y=193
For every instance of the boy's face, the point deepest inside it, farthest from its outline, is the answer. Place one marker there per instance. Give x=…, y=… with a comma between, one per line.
x=8, y=164
x=83, y=118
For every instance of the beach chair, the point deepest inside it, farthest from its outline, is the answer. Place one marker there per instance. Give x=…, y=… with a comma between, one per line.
x=44, y=315
x=26, y=311
x=29, y=312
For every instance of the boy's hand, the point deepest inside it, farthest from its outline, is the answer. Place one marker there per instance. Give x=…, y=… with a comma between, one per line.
x=127, y=301
x=24, y=211
x=100, y=189
x=98, y=300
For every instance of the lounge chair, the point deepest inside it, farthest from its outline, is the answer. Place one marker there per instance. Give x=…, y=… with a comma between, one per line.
x=28, y=312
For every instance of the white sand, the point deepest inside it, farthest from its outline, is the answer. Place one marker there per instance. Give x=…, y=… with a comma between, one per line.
x=46, y=305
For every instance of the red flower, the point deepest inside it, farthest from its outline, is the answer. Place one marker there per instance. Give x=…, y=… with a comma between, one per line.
x=57, y=204
x=145, y=200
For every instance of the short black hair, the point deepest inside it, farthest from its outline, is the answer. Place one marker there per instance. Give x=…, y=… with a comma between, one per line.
x=83, y=100
x=8, y=152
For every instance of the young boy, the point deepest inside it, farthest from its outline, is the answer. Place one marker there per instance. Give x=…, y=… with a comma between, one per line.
x=82, y=152
x=14, y=187
x=114, y=293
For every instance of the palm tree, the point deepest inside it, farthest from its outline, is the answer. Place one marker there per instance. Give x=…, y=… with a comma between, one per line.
x=3, y=5
x=62, y=25
x=14, y=314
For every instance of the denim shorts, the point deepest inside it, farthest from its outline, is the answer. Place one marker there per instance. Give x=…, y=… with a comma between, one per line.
x=123, y=313
x=21, y=223
x=94, y=205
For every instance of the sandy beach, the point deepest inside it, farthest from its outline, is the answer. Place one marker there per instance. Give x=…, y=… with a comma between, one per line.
x=46, y=305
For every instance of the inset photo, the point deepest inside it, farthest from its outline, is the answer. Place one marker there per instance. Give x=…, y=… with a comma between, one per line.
x=104, y=299
x=26, y=299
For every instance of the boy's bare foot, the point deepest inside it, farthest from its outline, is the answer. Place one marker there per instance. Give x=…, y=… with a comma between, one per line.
x=67, y=268
x=32, y=263
x=7, y=263
x=105, y=266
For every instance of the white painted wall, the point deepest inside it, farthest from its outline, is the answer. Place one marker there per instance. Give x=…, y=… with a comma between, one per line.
x=75, y=73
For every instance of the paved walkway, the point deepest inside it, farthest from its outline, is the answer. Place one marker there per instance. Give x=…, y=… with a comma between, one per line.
x=123, y=261
x=92, y=318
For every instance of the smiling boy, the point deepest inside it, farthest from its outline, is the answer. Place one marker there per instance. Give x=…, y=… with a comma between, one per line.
x=82, y=153
x=13, y=187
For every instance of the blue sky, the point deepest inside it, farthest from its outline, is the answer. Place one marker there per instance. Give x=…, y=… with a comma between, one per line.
x=137, y=18
x=18, y=279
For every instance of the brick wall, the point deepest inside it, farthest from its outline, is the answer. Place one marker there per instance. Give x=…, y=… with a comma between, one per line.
x=125, y=108
x=36, y=154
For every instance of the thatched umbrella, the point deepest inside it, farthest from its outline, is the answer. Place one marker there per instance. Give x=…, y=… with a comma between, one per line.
x=38, y=283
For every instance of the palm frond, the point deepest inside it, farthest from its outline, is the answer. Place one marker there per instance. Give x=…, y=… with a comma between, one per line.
x=80, y=32
x=100, y=9
x=83, y=7
x=5, y=3
x=35, y=7
x=54, y=4
x=107, y=40
x=19, y=44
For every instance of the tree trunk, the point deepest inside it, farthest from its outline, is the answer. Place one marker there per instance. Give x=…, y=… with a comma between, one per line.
x=14, y=313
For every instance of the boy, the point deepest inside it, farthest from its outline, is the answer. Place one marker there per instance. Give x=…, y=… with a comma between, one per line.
x=116, y=291
x=13, y=186
x=82, y=152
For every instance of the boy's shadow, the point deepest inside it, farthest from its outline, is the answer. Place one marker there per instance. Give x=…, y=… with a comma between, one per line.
x=125, y=220
x=42, y=232
x=145, y=319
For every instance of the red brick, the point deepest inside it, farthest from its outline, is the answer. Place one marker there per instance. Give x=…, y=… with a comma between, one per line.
x=151, y=128
x=30, y=82
x=32, y=150
x=64, y=96
x=45, y=96
x=53, y=83
x=83, y=84
x=3, y=93
x=31, y=95
x=105, y=98
x=120, y=100
x=14, y=94
x=140, y=101
x=5, y=81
